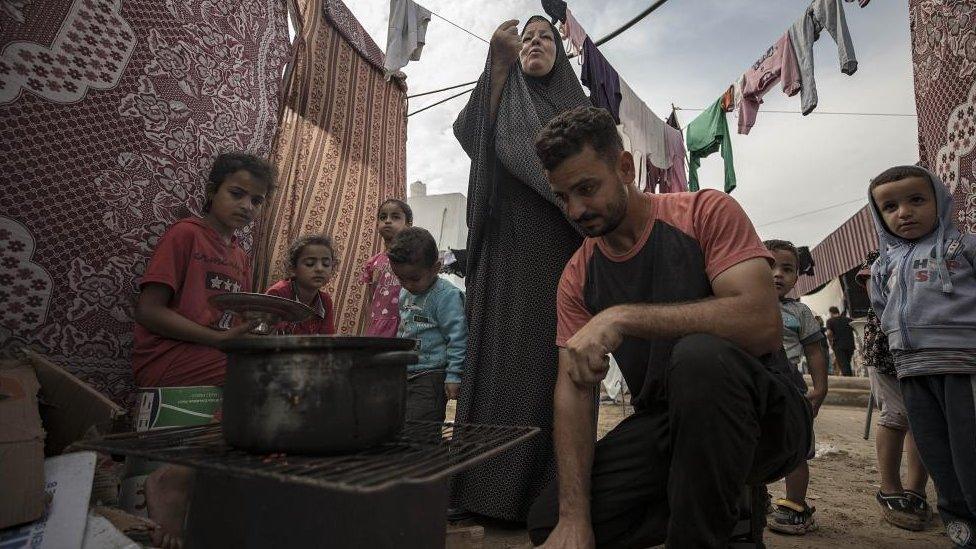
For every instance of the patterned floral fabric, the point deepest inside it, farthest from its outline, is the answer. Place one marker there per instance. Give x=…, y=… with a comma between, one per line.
x=340, y=151
x=110, y=117
x=944, y=59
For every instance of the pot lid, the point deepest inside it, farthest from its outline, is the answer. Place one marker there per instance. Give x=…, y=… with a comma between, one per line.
x=303, y=342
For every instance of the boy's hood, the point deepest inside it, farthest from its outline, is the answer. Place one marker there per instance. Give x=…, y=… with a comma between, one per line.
x=943, y=202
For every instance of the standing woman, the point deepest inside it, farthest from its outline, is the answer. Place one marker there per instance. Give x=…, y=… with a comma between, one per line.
x=518, y=243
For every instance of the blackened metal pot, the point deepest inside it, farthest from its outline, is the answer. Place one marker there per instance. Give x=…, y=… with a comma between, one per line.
x=314, y=394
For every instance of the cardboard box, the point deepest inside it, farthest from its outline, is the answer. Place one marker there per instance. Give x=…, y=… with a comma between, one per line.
x=69, y=406
x=21, y=446
x=69, y=484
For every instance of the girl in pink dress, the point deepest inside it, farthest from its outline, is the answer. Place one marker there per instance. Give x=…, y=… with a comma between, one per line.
x=384, y=315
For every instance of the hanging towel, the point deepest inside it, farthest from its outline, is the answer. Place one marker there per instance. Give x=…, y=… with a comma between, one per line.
x=405, y=35
x=645, y=129
x=602, y=80
x=574, y=33
x=707, y=134
x=778, y=63
x=820, y=15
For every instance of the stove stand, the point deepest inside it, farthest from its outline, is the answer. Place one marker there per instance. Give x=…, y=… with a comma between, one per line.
x=391, y=495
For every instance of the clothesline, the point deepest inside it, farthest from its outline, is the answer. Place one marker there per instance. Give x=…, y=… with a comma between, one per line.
x=819, y=112
x=811, y=212
x=603, y=40
x=439, y=102
x=439, y=16
x=441, y=89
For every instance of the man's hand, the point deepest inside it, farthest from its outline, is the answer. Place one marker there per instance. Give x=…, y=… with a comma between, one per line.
x=505, y=44
x=452, y=390
x=587, y=350
x=571, y=534
x=816, y=399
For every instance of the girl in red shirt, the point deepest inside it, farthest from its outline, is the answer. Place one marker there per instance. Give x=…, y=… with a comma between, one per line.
x=313, y=260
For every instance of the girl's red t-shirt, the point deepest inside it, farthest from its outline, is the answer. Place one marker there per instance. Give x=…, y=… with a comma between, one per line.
x=322, y=323
x=196, y=263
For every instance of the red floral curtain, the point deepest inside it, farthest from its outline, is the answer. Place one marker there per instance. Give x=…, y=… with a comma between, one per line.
x=110, y=115
x=944, y=59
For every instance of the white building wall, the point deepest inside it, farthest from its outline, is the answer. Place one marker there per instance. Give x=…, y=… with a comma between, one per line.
x=444, y=215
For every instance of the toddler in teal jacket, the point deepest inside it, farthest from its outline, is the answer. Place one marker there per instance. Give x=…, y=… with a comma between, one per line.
x=432, y=314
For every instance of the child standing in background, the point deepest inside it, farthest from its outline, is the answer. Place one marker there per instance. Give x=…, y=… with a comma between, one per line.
x=802, y=337
x=432, y=314
x=384, y=317
x=312, y=260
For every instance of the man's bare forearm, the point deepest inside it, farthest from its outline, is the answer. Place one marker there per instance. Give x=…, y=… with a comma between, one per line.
x=749, y=322
x=574, y=436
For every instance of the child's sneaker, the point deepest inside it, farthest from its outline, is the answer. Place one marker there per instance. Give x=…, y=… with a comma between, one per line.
x=921, y=507
x=792, y=518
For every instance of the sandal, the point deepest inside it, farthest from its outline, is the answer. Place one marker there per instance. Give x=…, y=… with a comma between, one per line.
x=899, y=511
x=920, y=505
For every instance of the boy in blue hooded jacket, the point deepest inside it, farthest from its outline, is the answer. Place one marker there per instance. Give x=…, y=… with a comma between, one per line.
x=923, y=288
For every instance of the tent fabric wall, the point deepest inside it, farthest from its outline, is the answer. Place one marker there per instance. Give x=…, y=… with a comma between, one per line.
x=340, y=151
x=841, y=251
x=944, y=61
x=110, y=116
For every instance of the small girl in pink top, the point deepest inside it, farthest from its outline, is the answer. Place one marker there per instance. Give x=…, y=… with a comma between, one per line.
x=384, y=314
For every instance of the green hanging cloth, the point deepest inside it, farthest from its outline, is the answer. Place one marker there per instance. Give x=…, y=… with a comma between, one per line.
x=707, y=134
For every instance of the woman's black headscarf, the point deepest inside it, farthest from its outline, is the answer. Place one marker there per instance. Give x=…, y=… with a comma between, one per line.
x=526, y=105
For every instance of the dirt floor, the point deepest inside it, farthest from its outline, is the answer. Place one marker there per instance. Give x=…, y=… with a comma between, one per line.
x=843, y=482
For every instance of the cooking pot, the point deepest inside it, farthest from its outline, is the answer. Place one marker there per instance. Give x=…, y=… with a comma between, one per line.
x=314, y=394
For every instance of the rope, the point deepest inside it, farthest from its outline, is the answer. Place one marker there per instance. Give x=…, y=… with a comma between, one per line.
x=442, y=89
x=630, y=23
x=439, y=102
x=603, y=40
x=459, y=26
x=811, y=212
x=898, y=114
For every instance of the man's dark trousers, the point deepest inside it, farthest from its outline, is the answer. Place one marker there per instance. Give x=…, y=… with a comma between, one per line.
x=675, y=471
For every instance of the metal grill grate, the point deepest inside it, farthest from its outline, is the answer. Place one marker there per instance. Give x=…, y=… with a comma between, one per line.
x=423, y=452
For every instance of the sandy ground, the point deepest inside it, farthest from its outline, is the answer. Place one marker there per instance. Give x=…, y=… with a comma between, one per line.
x=842, y=487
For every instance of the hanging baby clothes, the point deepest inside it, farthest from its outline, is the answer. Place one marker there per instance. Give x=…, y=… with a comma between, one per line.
x=405, y=36
x=677, y=177
x=602, y=80
x=672, y=179
x=574, y=33
x=778, y=63
x=821, y=14
x=555, y=9
x=673, y=119
x=708, y=133
x=645, y=130
x=728, y=99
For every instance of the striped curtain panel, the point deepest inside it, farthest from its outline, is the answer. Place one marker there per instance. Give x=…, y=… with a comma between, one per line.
x=340, y=151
